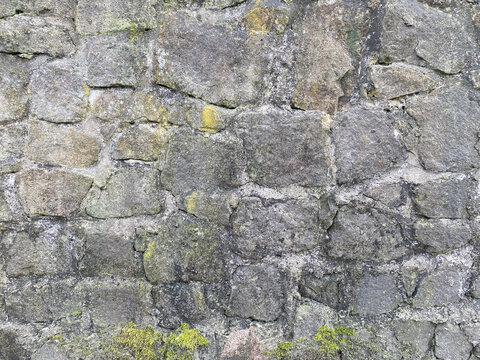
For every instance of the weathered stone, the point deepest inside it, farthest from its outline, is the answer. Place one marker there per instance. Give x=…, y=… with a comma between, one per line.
x=442, y=287
x=310, y=316
x=211, y=119
x=52, y=192
x=474, y=77
x=13, y=82
x=414, y=335
x=209, y=61
x=399, y=79
x=115, y=59
x=451, y=343
x=61, y=8
x=410, y=30
x=476, y=287
x=214, y=207
x=115, y=15
x=194, y=162
x=243, y=344
x=285, y=148
x=145, y=142
x=260, y=230
x=5, y=213
x=265, y=20
x=36, y=35
x=366, y=235
x=257, y=292
x=449, y=127
x=391, y=195
x=366, y=144
x=324, y=290
x=323, y=58
x=377, y=295
x=12, y=143
x=186, y=249
x=131, y=190
x=447, y=199
x=442, y=235
x=59, y=93
x=10, y=346
x=49, y=351
x=61, y=145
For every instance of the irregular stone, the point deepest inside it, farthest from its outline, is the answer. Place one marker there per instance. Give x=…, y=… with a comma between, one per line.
x=59, y=93
x=476, y=287
x=51, y=192
x=36, y=35
x=366, y=144
x=285, y=148
x=415, y=335
x=323, y=58
x=391, y=195
x=243, y=344
x=474, y=77
x=447, y=199
x=145, y=142
x=50, y=352
x=12, y=143
x=451, y=343
x=107, y=249
x=194, y=162
x=399, y=79
x=214, y=207
x=266, y=19
x=60, y=8
x=186, y=249
x=449, y=129
x=365, y=235
x=58, y=145
x=209, y=61
x=131, y=190
x=261, y=230
x=310, y=316
x=115, y=15
x=13, y=82
x=443, y=235
x=442, y=287
x=5, y=213
x=127, y=105
x=257, y=293
x=10, y=346
x=324, y=290
x=116, y=59
x=377, y=295
x=410, y=30
x=211, y=120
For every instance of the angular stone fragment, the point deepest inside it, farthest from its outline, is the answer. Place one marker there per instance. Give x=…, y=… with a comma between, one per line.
x=476, y=287
x=5, y=213
x=12, y=143
x=261, y=230
x=442, y=235
x=415, y=335
x=115, y=59
x=36, y=35
x=13, y=82
x=59, y=93
x=59, y=145
x=186, y=249
x=366, y=144
x=310, y=316
x=10, y=346
x=257, y=293
x=377, y=295
x=194, y=162
x=451, y=343
x=399, y=79
x=131, y=190
x=214, y=207
x=209, y=61
x=365, y=235
x=285, y=148
x=410, y=30
x=391, y=195
x=440, y=288
x=113, y=15
x=51, y=192
x=325, y=290
x=447, y=199
x=449, y=127
x=145, y=142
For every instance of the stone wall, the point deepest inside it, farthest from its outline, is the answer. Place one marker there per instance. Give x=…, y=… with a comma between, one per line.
x=253, y=168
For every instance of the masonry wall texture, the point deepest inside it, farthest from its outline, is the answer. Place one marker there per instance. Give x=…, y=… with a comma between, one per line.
x=255, y=168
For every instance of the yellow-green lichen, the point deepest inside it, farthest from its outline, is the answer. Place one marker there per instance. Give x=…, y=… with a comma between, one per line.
x=266, y=19
x=210, y=119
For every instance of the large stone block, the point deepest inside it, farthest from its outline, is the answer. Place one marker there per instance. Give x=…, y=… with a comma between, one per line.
x=11, y=347
x=59, y=93
x=449, y=127
x=131, y=190
x=36, y=35
x=61, y=145
x=94, y=17
x=366, y=144
x=60, y=8
x=214, y=207
x=414, y=335
x=451, y=343
x=443, y=235
x=13, y=82
x=12, y=145
x=440, y=288
x=209, y=61
x=186, y=249
x=377, y=295
x=145, y=142
x=51, y=192
x=195, y=162
x=285, y=148
x=257, y=293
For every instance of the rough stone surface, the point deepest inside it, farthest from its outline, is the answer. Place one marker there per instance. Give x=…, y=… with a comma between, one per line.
x=13, y=82
x=377, y=295
x=12, y=145
x=442, y=287
x=443, y=235
x=451, y=343
x=141, y=142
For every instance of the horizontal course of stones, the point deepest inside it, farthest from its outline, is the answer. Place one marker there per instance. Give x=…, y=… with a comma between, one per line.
x=254, y=168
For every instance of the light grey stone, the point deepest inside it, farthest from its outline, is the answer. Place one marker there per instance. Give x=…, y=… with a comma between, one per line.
x=5, y=213
x=310, y=316
x=377, y=295
x=60, y=8
x=214, y=207
x=13, y=82
x=476, y=287
x=414, y=335
x=442, y=287
x=50, y=352
x=451, y=343
x=12, y=145
x=11, y=347
x=443, y=235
